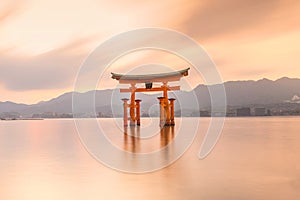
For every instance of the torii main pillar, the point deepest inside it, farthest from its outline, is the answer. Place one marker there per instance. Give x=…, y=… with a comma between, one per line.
x=132, y=105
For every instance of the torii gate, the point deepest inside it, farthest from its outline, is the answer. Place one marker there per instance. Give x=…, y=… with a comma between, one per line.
x=166, y=104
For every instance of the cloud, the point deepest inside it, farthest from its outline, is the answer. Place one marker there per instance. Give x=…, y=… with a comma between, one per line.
x=219, y=25
x=214, y=19
x=9, y=10
x=52, y=70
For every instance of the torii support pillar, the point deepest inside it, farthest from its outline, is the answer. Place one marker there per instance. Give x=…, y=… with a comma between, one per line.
x=135, y=113
x=125, y=115
x=172, y=111
x=138, y=112
x=162, y=118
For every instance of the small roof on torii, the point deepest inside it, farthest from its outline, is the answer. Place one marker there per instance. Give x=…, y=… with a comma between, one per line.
x=146, y=78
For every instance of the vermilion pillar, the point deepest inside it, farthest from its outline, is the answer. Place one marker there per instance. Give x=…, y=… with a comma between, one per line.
x=125, y=107
x=161, y=111
x=138, y=112
x=172, y=113
x=166, y=104
x=132, y=105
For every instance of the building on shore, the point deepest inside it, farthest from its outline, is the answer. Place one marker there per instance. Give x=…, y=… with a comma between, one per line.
x=204, y=113
x=242, y=112
x=231, y=113
x=260, y=111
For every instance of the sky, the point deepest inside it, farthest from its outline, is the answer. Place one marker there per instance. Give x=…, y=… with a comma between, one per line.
x=43, y=43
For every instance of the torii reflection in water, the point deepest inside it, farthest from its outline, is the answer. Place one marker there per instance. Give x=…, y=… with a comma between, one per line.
x=133, y=141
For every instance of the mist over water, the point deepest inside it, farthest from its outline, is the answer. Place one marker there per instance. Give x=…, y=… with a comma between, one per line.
x=255, y=158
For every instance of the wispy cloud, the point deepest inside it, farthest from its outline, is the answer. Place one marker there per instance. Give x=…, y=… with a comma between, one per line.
x=54, y=69
x=224, y=19
x=10, y=9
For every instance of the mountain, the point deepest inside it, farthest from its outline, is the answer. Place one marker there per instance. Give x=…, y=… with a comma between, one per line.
x=239, y=93
x=11, y=107
x=263, y=91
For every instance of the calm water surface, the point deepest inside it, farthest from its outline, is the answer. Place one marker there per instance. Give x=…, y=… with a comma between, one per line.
x=255, y=158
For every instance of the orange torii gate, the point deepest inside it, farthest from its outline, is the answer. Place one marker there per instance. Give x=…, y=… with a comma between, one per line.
x=166, y=104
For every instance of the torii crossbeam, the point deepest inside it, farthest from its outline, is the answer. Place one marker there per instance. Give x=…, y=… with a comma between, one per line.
x=166, y=104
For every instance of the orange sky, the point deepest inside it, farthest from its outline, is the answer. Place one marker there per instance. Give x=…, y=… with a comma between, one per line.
x=43, y=43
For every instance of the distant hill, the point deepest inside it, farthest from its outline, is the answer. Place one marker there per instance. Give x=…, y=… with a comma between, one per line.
x=239, y=93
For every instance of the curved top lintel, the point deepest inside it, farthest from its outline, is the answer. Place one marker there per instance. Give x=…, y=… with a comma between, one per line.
x=143, y=78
